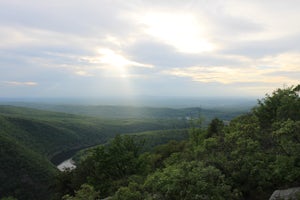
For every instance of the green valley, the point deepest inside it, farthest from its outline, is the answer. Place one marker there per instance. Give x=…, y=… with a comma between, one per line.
x=30, y=138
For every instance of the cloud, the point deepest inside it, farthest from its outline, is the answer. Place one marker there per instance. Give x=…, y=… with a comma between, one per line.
x=277, y=18
x=272, y=47
x=83, y=73
x=180, y=30
x=112, y=58
x=17, y=83
x=220, y=74
x=269, y=70
x=198, y=44
x=110, y=62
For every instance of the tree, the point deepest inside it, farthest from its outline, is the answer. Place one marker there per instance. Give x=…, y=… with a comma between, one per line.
x=215, y=127
x=86, y=192
x=282, y=105
x=108, y=167
x=129, y=193
x=188, y=180
x=196, y=132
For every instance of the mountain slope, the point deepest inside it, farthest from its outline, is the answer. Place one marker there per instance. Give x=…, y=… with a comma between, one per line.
x=23, y=170
x=30, y=138
x=50, y=133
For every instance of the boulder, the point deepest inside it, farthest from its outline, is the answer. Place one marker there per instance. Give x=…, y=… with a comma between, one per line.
x=288, y=194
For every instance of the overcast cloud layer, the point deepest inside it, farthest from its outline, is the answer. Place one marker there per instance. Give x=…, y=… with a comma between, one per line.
x=92, y=48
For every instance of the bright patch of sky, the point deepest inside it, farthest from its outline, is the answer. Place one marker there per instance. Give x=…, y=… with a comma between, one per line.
x=181, y=31
x=64, y=48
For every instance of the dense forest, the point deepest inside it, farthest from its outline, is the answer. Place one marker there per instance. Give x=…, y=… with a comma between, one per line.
x=247, y=158
x=30, y=139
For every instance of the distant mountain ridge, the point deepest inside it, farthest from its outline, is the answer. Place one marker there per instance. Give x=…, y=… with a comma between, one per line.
x=118, y=112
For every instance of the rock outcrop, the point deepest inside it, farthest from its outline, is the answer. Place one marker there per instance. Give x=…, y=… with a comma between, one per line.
x=288, y=194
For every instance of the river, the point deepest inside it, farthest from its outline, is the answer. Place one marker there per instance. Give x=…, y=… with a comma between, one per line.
x=67, y=164
x=64, y=160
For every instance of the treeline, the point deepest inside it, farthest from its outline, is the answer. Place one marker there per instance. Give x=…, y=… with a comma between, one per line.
x=249, y=158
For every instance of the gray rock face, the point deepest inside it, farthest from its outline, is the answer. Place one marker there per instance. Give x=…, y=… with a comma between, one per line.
x=288, y=194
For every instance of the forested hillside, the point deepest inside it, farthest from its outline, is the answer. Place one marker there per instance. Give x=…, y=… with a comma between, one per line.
x=251, y=157
x=148, y=139
x=50, y=133
x=23, y=173
x=31, y=138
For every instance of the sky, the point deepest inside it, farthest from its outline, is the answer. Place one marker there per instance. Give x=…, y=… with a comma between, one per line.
x=117, y=48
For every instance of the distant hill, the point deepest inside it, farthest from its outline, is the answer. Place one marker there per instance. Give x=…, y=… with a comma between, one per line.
x=226, y=113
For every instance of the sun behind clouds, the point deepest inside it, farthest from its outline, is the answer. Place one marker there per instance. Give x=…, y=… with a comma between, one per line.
x=118, y=63
x=182, y=31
